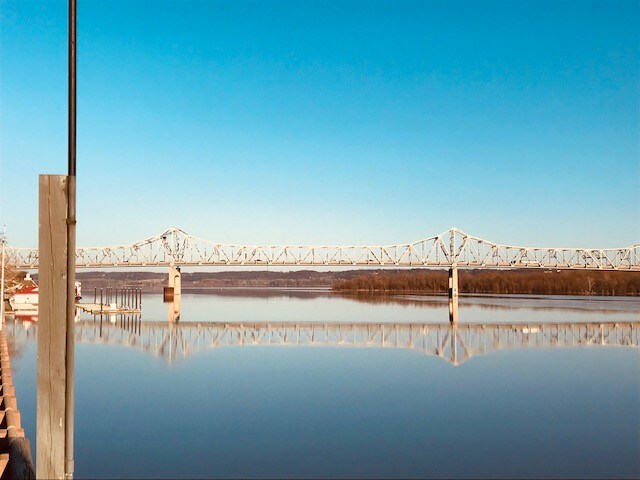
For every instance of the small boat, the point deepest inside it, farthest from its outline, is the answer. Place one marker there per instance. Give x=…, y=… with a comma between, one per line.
x=25, y=298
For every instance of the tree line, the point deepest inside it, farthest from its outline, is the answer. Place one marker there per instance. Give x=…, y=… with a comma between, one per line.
x=534, y=282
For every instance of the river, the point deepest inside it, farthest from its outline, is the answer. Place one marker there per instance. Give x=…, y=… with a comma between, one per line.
x=295, y=383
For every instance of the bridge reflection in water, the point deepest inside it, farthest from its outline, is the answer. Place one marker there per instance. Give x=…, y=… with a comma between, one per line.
x=454, y=343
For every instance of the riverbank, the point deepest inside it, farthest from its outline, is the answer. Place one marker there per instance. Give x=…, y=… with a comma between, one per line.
x=524, y=282
x=386, y=281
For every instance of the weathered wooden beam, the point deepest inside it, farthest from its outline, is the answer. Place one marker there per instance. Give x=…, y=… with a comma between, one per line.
x=52, y=327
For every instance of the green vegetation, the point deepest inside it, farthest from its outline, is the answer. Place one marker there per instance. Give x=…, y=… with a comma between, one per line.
x=538, y=282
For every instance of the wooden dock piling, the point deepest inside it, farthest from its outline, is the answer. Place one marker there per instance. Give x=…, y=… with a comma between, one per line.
x=15, y=450
x=52, y=327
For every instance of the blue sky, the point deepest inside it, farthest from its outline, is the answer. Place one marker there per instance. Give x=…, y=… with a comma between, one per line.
x=328, y=122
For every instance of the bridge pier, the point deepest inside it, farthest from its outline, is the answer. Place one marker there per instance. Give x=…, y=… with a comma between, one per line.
x=453, y=282
x=175, y=280
x=453, y=294
x=174, y=309
x=173, y=292
x=453, y=310
x=174, y=284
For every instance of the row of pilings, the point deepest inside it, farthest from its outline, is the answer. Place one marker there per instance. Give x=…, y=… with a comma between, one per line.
x=15, y=451
x=128, y=297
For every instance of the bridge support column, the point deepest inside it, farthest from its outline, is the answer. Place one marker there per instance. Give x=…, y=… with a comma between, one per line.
x=174, y=284
x=173, y=292
x=453, y=310
x=453, y=282
x=174, y=309
x=453, y=294
x=175, y=280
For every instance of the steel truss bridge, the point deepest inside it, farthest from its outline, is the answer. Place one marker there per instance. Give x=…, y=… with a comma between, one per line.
x=452, y=248
x=454, y=343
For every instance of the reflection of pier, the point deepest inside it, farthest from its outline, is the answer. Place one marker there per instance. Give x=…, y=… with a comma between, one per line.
x=455, y=343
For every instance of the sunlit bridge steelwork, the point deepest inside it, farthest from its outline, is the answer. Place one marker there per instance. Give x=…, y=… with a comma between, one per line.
x=454, y=343
x=452, y=248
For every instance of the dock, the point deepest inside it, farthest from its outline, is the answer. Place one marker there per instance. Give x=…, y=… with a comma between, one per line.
x=107, y=309
x=114, y=301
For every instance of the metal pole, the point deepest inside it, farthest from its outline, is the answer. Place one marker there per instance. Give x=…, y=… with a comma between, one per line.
x=4, y=241
x=71, y=248
x=72, y=88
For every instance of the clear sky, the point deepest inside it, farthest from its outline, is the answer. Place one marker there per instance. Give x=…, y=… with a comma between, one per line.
x=328, y=122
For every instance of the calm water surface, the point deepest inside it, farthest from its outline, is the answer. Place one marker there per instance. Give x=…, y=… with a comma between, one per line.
x=304, y=384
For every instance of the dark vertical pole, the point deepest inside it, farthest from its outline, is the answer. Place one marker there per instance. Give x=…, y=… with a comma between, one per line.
x=71, y=247
x=72, y=88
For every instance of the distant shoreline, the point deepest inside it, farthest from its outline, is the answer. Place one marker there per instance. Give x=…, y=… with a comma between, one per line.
x=484, y=281
x=584, y=283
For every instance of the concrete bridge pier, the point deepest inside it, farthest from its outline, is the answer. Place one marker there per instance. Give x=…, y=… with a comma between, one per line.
x=175, y=280
x=174, y=309
x=453, y=310
x=173, y=292
x=453, y=294
x=174, y=284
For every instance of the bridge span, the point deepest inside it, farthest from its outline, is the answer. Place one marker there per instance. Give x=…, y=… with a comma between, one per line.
x=451, y=342
x=452, y=249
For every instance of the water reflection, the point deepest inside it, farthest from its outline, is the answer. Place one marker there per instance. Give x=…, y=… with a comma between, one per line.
x=368, y=389
x=563, y=303
x=455, y=343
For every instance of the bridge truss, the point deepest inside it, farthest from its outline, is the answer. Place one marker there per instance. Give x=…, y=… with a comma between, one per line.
x=175, y=247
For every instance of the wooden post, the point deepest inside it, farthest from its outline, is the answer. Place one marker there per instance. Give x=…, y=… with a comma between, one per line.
x=52, y=327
